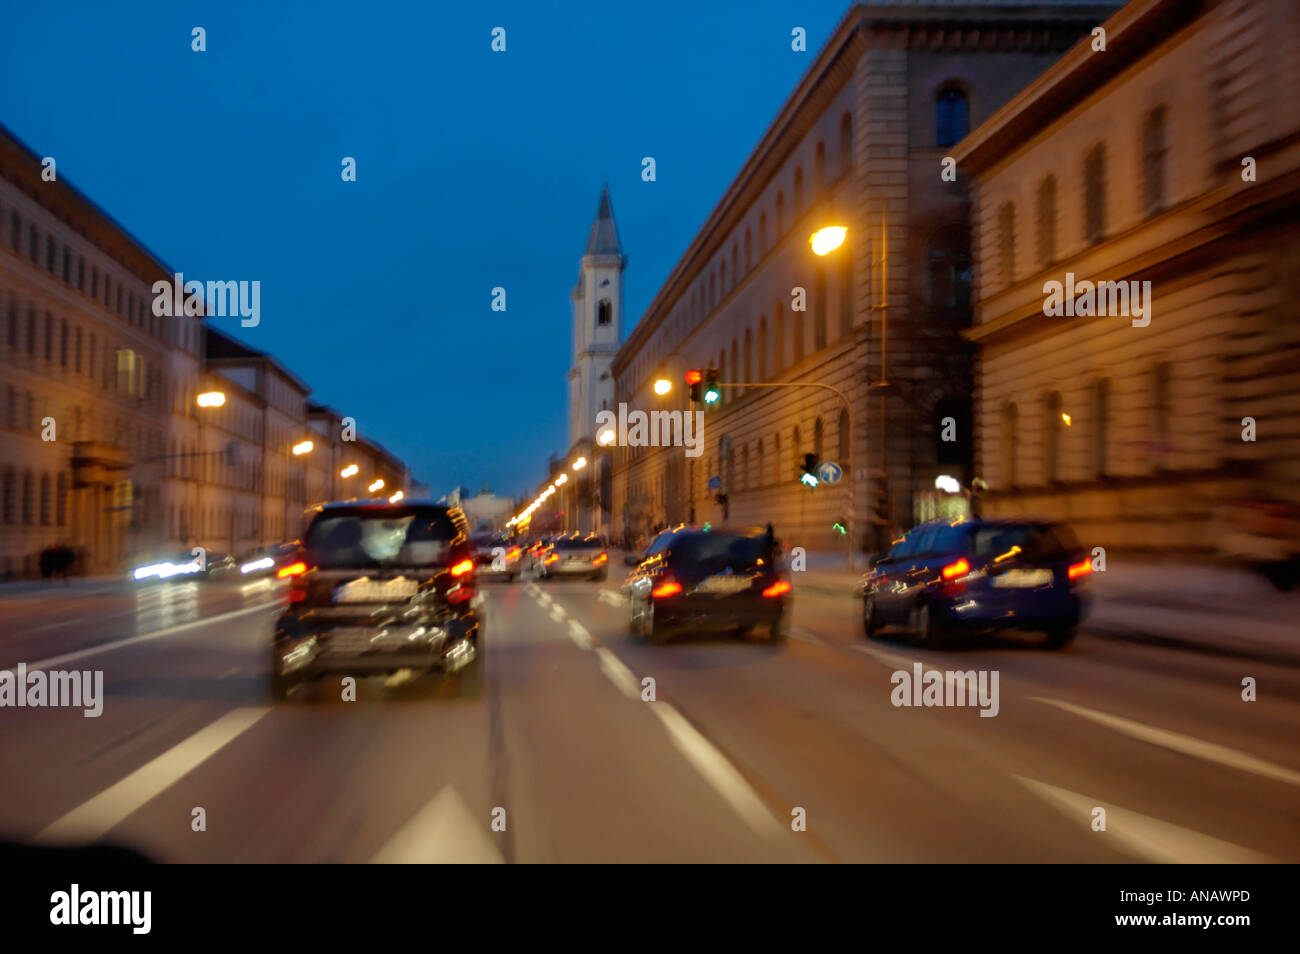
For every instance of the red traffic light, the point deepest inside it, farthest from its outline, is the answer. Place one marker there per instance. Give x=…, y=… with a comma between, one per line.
x=694, y=376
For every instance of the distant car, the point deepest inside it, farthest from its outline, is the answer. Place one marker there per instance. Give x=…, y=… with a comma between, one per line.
x=496, y=555
x=186, y=565
x=694, y=579
x=378, y=588
x=537, y=552
x=944, y=579
x=267, y=561
x=577, y=555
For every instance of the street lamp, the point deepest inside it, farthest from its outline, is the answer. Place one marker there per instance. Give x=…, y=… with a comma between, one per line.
x=376, y=486
x=349, y=471
x=663, y=386
x=211, y=399
x=302, y=447
x=396, y=497
x=828, y=239
x=580, y=463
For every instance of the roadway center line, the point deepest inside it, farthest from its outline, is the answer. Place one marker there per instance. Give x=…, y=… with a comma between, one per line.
x=145, y=637
x=622, y=677
x=95, y=818
x=578, y=633
x=1186, y=744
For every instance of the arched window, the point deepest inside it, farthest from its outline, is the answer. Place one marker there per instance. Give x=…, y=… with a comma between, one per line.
x=819, y=172
x=846, y=294
x=762, y=234
x=798, y=191
x=1010, y=445
x=1052, y=437
x=843, y=435
x=762, y=347
x=735, y=265
x=1100, y=426
x=1007, y=243
x=820, y=331
x=722, y=280
x=951, y=116
x=1154, y=147
x=778, y=340
x=1047, y=221
x=846, y=142
x=780, y=214
x=604, y=312
x=1094, y=194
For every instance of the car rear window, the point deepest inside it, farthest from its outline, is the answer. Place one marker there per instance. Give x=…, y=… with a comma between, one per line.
x=1034, y=540
x=580, y=543
x=719, y=548
x=392, y=537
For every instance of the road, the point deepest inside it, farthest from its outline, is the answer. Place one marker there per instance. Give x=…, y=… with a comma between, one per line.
x=561, y=748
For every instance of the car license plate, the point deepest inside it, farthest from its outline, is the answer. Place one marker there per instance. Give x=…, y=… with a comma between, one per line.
x=723, y=585
x=375, y=591
x=1023, y=578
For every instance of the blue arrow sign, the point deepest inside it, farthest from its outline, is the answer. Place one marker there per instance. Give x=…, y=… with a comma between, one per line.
x=715, y=483
x=829, y=472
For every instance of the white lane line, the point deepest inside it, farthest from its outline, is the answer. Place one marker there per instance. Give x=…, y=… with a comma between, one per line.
x=558, y=614
x=1186, y=744
x=622, y=677
x=444, y=831
x=578, y=633
x=717, y=771
x=145, y=637
x=543, y=598
x=893, y=659
x=1141, y=835
x=806, y=637
x=94, y=819
x=530, y=588
x=612, y=597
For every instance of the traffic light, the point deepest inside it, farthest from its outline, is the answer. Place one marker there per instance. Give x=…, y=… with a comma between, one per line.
x=809, y=475
x=711, y=391
x=695, y=378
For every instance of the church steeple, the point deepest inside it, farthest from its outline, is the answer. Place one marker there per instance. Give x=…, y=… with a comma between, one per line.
x=603, y=239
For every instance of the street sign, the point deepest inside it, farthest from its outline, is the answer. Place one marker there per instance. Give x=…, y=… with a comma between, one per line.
x=829, y=472
x=715, y=483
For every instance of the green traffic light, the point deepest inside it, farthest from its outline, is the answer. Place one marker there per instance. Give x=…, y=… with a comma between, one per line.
x=711, y=396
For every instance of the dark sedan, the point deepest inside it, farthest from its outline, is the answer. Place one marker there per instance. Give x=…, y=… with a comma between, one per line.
x=944, y=579
x=694, y=579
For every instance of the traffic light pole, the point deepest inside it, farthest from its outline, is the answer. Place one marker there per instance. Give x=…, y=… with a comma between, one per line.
x=848, y=409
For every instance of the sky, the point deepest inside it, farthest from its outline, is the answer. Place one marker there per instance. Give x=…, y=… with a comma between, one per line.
x=475, y=169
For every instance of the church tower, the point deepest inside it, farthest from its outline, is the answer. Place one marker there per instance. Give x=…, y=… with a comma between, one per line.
x=597, y=322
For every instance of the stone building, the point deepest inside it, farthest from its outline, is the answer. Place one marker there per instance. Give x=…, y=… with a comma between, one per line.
x=859, y=143
x=1172, y=158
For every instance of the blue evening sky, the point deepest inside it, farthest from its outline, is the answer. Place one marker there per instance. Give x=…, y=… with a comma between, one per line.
x=475, y=169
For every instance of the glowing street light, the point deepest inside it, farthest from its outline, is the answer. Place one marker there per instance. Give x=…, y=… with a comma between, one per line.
x=377, y=485
x=828, y=239
x=396, y=497
x=302, y=447
x=561, y=480
x=606, y=437
x=349, y=471
x=663, y=386
x=580, y=463
x=211, y=399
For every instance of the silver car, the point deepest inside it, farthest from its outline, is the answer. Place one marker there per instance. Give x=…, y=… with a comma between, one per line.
x=575, y=555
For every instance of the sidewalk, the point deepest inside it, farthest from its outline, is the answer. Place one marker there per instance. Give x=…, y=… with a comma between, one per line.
x=76, y=585
x=1216, y=609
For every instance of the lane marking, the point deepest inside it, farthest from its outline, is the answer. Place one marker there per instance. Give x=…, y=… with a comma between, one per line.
x=717, y=771
x=558, y=614
x=805, y=636
x=578, y=633
x=543, y=598
x=1186, y=744
x=892, y=659
x=145, y=637
x=623, y=678
x=95, y=818
x=612, y=597
x=444, y=831
x=1141, y=835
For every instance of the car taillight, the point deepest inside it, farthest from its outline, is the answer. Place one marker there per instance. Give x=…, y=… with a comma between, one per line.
x=669, y=587
x=513, y=553
x=552, y=558
x=777, y=588
x=600, y=559
x=954, y=570
x=293, y=569
x=1077, y=570
x=296, y=595
x=459, y=593
x=461, y=568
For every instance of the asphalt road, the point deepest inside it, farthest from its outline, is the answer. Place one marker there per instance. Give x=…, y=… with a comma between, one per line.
x=561, y=748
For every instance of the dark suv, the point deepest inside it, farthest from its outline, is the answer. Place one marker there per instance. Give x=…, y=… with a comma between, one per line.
x=945, y=578
x=377, y=588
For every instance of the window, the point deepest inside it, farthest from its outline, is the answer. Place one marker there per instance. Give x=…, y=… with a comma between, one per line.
x=749, y=259
x=735, y=358
x=46, y=500
x=1161, y=410
x=1007, y=243
x=846, y=142
x=1052, y=437
x=778, y=340
x=10, y=497
x=1153, y=161
x=842, y=432
x=846, y=294
x=797, y=319
x=722, y=282
x=604, y=312
x=951, y=116
x=762, y=234
x=1046, y=221
x=1100, y=426
x=130, y=372
x=735, y=265
x=67, y=264
x=1094, y=194
x=798, y=191
x=49, y=336
x=780, y=214
x=63, y=343
x=51, y=254
x=819, y=171
x=1011, y=445
x=762, y=347
x=776, y=458
x=29, y=499
x=819, y=309
x=749, y=363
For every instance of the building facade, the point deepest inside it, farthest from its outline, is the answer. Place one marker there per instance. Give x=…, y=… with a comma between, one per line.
x=876, y=324
x=1167, y=161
